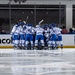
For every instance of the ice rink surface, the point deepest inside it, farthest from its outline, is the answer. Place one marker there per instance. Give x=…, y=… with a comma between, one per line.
x=37, y=62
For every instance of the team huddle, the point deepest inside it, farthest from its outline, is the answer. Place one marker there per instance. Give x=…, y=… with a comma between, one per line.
x=27, y=37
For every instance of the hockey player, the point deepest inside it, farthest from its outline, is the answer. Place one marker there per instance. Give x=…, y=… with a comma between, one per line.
x=21, y=36
x=59, y=38
x=46, y=36
x=56, y=37
x=39, y=36
x=15, y=35
x=29, y=36
x=24, y=30
x=53, y=36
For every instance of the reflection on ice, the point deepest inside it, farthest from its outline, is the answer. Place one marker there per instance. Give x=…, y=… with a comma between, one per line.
x=40, y=62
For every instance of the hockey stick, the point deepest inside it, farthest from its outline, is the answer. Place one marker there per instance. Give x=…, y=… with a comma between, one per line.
x=40, y=21
x=26, y=20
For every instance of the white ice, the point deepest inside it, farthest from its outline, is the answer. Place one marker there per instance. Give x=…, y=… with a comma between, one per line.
x=37, y=62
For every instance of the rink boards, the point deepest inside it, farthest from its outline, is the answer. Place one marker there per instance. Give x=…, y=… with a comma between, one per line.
x=68, y=41
x=37, y=62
